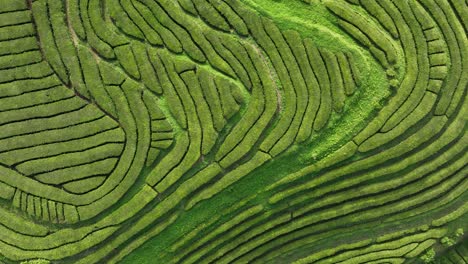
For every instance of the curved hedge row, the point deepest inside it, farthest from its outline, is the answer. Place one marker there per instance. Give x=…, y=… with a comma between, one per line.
x=233, y=131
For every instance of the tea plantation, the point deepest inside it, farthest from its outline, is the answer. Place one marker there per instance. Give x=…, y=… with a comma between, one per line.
x=233, y=131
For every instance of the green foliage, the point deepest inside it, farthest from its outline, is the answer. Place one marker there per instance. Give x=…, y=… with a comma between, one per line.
x=127, y=58
x=211, y=15
x=459, y=232
x=127, y=19
x=36, y=261
x=447, y=241
x=216, y=131
x=428, y=256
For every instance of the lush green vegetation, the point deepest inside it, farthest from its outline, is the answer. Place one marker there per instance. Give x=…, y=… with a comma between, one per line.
x=233, y=131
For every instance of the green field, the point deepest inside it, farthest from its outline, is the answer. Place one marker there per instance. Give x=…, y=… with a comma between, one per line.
x=233, y=131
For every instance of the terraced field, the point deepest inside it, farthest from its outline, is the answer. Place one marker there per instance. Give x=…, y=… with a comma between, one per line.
x=233, y=131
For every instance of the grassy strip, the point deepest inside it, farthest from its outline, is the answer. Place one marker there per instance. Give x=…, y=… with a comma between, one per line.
x=345, y=152
x=312, y=21
x=258, y=159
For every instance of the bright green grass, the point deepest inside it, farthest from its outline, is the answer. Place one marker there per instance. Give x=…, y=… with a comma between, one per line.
x=310, y=20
